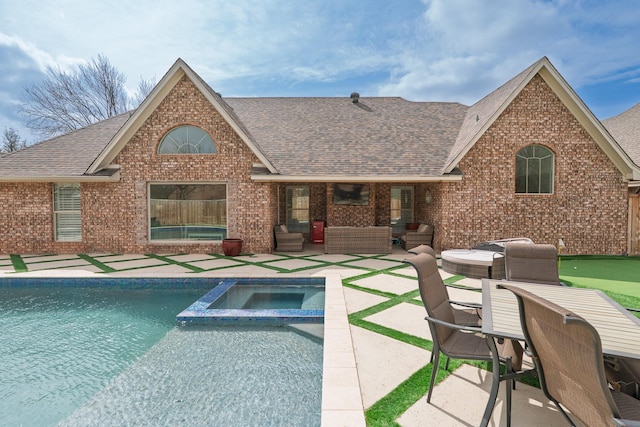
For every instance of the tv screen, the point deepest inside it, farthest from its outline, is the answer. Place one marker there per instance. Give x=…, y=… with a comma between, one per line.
x=351, y=194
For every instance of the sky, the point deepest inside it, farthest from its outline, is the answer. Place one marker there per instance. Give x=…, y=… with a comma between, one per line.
x=429, y=50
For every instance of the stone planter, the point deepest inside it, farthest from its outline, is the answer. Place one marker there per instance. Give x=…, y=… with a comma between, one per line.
x=232, y=247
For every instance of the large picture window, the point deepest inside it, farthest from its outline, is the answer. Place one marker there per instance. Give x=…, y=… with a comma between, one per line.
x=186, y=140
x=66, y=212
x=401, y=207
x=188, y=211
x=534, y=170
x=298, y=209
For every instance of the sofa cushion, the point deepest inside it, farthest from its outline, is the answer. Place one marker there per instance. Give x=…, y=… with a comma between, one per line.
x=423, y=228
x=284, y=228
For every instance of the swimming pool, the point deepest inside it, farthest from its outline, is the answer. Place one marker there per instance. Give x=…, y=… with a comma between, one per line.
x=73, y=352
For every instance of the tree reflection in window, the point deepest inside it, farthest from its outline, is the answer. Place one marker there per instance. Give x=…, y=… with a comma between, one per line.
x=187, y=140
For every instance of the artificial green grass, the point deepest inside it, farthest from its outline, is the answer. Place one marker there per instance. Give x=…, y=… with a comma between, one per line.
x=617, y=274
x=18, y=264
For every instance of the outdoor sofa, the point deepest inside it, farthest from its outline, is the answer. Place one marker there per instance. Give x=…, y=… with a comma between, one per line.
x=357, y=240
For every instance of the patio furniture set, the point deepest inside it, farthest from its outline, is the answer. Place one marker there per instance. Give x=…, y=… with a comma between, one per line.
x=566, y=331
x=362, y=240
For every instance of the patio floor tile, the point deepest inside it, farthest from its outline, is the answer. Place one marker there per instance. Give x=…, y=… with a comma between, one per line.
x=388, y=283
x=383, y=363
x=358, y=300
x=404, y=317
x=460, y=400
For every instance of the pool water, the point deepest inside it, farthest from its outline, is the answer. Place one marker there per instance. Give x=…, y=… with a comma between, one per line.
x=74, y=355
x=272, y=297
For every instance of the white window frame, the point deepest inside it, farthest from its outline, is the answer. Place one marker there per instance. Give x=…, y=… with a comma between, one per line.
x=67, y=211
x=540, y=175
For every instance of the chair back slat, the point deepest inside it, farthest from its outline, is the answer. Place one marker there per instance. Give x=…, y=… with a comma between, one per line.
x=535, y=263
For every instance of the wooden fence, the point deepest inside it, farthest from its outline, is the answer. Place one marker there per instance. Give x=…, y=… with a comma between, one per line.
x=189, y=212
x=634, y=224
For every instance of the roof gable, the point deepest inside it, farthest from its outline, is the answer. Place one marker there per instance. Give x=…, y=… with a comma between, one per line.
x=483, y=114
x=148, y=106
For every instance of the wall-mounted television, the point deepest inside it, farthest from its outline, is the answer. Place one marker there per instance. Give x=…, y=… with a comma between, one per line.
x=351, y=194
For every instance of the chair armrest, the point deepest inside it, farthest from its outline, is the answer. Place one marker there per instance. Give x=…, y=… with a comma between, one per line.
x=453, y=325
x=466, y=304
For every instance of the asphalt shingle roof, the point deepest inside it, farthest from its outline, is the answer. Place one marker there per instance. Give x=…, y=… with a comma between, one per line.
x=64, y=156
x=625, y=128
x=334, y=136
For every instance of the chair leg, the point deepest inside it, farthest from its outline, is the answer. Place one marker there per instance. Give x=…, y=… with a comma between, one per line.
x=510, y=384
x=435, y=354
x=446, y=365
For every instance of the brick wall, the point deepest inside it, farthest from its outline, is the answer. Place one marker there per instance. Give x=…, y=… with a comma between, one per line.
x=114, y=215
x=588, y=209
x=351, y=216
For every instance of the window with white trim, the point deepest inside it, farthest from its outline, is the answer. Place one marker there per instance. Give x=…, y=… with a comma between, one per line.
x=186, y=140
x=534, y=170
x=67, y=213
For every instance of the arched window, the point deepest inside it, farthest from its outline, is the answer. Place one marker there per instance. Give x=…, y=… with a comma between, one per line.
x=534, y=170
x=186, y=140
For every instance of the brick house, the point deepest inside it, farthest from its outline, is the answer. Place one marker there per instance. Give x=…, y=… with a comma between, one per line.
x=189, y=168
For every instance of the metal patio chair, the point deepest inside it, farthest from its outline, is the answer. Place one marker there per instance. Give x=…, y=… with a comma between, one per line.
x=530, y=262
x=451, y=330
x=567, y=352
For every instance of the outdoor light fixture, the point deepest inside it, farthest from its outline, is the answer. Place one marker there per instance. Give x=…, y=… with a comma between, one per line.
x=428, y=197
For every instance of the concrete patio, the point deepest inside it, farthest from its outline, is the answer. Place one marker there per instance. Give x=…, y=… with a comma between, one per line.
x=369, y=355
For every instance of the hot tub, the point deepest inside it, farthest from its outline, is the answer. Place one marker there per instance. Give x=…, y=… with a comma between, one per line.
x=474, y=263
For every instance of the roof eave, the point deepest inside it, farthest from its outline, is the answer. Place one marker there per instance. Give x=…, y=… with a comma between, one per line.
x=354, y=178
x=63, y=178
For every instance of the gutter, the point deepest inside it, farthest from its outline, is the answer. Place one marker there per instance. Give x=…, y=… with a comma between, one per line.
x=350, y=178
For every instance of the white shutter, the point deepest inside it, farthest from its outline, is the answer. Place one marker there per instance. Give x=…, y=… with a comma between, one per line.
x=66, y=208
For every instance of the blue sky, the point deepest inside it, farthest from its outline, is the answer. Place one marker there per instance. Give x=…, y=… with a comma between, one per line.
x=429, y=50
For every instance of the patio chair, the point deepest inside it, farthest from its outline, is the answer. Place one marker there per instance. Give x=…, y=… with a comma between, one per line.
x=567, y=352
x=422, y=249
x=286, y=241
x=451, y=330
x=422, y=236
x=530, y=262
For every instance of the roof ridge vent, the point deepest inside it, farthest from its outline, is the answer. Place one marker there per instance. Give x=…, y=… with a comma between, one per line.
x=355, y=97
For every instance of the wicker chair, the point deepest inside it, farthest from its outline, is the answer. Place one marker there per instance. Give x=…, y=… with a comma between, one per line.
x=450, y=327
x=568, y=355
x=535, y=263
x=286, y=241
x=422, y=236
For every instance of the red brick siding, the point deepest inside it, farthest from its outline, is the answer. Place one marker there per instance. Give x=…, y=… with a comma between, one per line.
x=115, y=215
x=588, y=209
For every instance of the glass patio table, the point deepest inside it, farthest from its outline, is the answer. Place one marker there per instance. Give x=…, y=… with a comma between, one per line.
x=619, y=330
